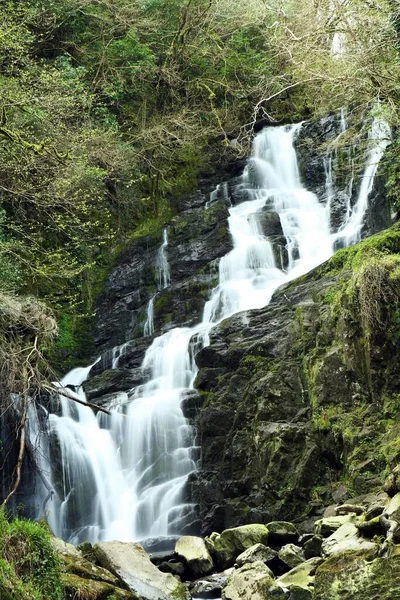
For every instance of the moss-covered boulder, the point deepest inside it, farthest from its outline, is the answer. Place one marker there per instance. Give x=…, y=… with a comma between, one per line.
x=393, y=508
x=258, y=552
x=195, y=554
x=301, y=576
x=358, y=576
x=130, y=563
x=281, y=533
x=230, y=543
x=76, y=587
x=347, y=537
x=253, y=581
x=87, y=570
x=328, y=526
x=291, y=555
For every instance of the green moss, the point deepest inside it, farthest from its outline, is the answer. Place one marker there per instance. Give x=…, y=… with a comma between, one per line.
x=29, y=567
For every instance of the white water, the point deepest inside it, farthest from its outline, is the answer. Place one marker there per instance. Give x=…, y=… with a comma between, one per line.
x=162, y=266
x=149, y=324
x=380, y=136
x=124, y=475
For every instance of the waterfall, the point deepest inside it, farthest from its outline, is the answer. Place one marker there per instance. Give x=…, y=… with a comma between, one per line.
x=122, y=476
x=148, y=328
x=162, y=266
x=380, y=135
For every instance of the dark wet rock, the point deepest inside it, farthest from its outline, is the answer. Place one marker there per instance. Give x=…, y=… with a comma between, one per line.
x=175, y=568
x=110, y=382
x=191, y=403
x=282, y=533
x=313, y=547
x=270, y=223
x=268, y=382
x=210, y=587
x=197, y=237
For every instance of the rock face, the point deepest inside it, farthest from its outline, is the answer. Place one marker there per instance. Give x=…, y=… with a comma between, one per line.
x=130, y=563
x=196, y=238
x=326, y=161
x=294, y=399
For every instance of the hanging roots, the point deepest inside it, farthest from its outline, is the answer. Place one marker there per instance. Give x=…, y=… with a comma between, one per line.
x=27, y=326
x=378, y=292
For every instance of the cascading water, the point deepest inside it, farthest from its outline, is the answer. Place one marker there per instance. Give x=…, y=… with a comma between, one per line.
x=123, y=475
x=380, y=135
x=162, y=265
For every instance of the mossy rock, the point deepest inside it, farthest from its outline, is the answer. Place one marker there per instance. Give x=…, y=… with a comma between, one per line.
x=233, y=542
x=253, y=581
x=87, y=570
x=79, y=588
x=358, y=576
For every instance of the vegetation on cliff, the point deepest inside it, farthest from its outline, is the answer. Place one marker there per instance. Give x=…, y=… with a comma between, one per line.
x=110, y=110
x=29, y=567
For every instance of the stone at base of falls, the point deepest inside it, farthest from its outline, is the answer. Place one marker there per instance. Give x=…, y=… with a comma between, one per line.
x=83, y=568
x=346, y=538
x=393, y=508
x=194, y=552
x=392, y=482
x=255, y=553
x=291, y=555
x=78, y=587
x=313, y=547
x=131, y=564
x=325, y=527
x=359, y=576
x=281, y=533
x=64, y=548
x=301, y=576
x=253, y=581
x=227, y=546
x=211, y=586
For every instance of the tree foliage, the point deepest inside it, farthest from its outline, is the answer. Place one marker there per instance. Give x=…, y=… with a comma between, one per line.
x=110, y=109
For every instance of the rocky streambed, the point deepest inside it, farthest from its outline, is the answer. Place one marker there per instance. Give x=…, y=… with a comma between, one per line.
x=351, y=553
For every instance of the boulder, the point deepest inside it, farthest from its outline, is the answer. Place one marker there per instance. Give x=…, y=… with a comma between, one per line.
x=84, y=568
x=281, y=533
x=195, y=554
x=392, y=482
x=348, y=509
x=232, y=542
x=64, y=548
x=313, y=547
x=291, y=555
x=325, y=527
x=301, y=576
x=130, y=563
x=253, y=581
x=358, y=576
x=255, y=553
x=211, y=586
x=346, y=538
x=175, y=568
x=392, y=510
x=79, y=587
x=300, y=593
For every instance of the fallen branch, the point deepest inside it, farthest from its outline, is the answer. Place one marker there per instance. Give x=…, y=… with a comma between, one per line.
x=55, y=390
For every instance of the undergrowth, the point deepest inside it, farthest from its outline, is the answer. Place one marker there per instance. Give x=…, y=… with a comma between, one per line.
x=29, y=567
